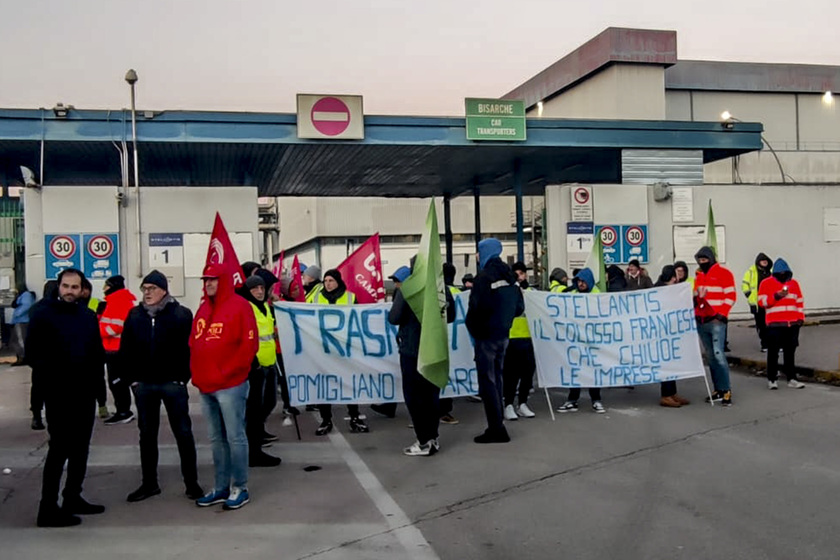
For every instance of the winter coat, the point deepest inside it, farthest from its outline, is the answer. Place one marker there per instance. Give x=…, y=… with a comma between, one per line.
x=495, y=300
x=117, y=306
x=157, y=349
x=224, y=340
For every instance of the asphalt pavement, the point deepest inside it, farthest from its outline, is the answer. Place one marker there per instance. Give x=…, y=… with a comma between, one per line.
x=758, y=480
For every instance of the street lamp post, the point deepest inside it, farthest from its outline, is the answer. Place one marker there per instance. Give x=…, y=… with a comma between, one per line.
x=131, y=78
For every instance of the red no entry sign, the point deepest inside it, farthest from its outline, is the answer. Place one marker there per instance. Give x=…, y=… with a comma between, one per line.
x=330, y=116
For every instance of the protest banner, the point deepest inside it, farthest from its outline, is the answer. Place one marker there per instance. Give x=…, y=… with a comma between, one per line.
x=614, y=339
x=348, y=354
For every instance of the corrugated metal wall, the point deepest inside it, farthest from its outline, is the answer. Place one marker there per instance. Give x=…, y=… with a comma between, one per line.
x=677, y=167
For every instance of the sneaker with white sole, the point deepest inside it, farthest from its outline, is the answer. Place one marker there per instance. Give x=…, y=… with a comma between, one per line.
x=510, y=413
x=524, y=411
x=568, y=406
x=238, y=498
x=598, y=407
x=427, y=449
x=794, y=384
x=213, y=497
x=772, y=385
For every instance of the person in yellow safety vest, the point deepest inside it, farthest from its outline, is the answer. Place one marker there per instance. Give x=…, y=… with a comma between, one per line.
x=94, y=305
x=312, y=285
x=559, y=280
x=520, y=364
x=263, y=368
x=682, y=274
x=584, y=283
x=760, y=271
x=334, y=292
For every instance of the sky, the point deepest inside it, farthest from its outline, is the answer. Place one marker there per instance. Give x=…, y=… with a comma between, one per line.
x=411, y=58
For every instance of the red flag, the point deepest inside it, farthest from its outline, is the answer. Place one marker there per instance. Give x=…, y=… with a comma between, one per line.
x=297, y=281
x=362, y=272
x=221, y=252
x=278, y=272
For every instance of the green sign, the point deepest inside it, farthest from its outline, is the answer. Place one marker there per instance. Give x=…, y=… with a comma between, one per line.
x=495, y=119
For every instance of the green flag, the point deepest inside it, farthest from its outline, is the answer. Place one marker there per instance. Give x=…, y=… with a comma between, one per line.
x=424, y=293
x=595, y=263
x=711, y=234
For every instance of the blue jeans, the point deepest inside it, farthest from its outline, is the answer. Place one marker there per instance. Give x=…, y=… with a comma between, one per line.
x=225, y=413
x=713, y=336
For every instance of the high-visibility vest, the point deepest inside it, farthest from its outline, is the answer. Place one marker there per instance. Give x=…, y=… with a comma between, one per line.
x=749, y=283
x=453, y=290
x=789, y=309
x=93, y=304
x=720, y=292
x=313, y=293
x=557, y=287
x=347, y=298
x=519, y=327
x=267, y=353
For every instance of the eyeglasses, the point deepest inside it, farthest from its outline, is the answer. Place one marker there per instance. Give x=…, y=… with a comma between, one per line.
x=151, y=288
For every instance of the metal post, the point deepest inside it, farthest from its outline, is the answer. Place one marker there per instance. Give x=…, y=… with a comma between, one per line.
x=131, y=78
x=447, y=227
x=517, y=190
x=477, y=200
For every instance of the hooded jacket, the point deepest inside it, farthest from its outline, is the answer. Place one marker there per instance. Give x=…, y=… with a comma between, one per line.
x=587, y=276
x=753, y=278
x=495, y=300
x=787, y=310
x=223, y=340
x=719, y=284
x=556, y=280
x=157, y=349
x=117, y=305
x=616, y=282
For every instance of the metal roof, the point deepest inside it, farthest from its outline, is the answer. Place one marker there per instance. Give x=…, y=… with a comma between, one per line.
x=399, y=157
x=752, y=77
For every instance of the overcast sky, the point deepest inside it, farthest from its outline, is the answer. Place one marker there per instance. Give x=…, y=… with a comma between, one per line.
x=418, y=57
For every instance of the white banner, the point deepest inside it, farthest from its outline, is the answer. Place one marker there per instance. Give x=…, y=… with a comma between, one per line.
x=348, y=354
x=614, y=339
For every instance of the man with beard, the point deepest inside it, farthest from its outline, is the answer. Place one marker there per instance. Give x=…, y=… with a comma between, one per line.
x=65, y=349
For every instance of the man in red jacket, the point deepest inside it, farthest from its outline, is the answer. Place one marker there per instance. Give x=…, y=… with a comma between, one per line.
x=118, y=302
x=714, y=296
x=781, y=297
x=223, y=345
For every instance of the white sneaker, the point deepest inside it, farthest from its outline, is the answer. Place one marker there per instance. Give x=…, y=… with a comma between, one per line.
x=524, y=411
x=794, y=384
x=510, y=413
x=772, y=385
x=598, y=407
x=417, y=450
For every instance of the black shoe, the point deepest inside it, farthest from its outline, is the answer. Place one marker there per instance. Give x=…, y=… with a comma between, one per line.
x=194, y=491
x=386, y=410
x=716, y=396
x=492, y=437
x=325, y=428
x=266, y=437
x=263, y=460
x=358, y=426
x=55, y=517
x=120, y=418
x=727, y=399
x=144, y=492
x=37, y=423
x=80, y=506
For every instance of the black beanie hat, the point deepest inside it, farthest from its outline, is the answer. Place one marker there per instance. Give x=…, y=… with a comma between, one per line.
x=114, y=283
x=158, y=279
x=254, y=281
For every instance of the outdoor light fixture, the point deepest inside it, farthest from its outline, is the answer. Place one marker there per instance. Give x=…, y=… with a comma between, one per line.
x=539, y=108
x=828, y=98
x=61, y=110
x=727, y=120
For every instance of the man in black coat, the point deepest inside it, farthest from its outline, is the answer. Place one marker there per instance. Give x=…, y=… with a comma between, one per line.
x=64, y=348
x=156, y=353
x=495, y=300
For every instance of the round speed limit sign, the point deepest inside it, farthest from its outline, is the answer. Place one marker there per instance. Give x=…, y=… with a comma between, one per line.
x=62, y=247
x=100, y=247
x=634, y=236
x=608, y=236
